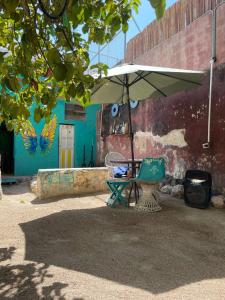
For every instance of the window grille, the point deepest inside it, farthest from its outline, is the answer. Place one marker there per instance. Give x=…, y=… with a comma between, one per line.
x=74, y=112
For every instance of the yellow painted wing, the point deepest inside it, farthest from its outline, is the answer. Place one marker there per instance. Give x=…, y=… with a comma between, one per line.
x=47, y=135
x=29, y=138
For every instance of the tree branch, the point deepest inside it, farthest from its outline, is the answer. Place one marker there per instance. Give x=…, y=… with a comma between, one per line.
x=56, y=16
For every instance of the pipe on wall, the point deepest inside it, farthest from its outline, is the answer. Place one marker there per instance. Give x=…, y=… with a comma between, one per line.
x=212, y=62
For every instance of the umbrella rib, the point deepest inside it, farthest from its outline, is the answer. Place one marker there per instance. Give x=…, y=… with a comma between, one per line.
x=110, y=81
x=96, y=90
x=138, y=78
x=120, y=80
x=182, y=79
x=113, y=81
x=158, y=90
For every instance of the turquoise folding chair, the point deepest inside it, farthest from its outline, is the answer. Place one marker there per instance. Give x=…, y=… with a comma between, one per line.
x=117, y=187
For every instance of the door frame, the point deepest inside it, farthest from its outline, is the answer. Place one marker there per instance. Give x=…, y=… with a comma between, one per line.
x=73, y=160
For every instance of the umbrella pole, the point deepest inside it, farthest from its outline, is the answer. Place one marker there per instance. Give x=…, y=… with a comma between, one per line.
x=130, y=129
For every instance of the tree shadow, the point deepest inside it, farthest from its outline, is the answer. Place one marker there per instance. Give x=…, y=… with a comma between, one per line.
x=155, y=252
x=22, y=281
x=17, y=188
x=6, y=253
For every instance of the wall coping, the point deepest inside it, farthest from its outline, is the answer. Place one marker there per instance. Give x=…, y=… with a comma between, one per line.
x=72, y=169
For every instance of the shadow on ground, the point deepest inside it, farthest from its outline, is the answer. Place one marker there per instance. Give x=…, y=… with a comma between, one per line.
x=16, y=189
x=156, y=252
x=23, y=281
x=6, y=253
x=62, y=198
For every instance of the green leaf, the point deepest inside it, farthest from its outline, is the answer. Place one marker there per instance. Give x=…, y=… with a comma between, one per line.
x=72, y=90
x=60, y=72
x=66, y=21
x=69, y=71
x=2, y=56
x=80, y=90
x=11, y=83
x=53, y=56
x=10, y=5
x=45, y=99
x=159, y=6
x=15, y=16
x=37, y=115
x=125, y=27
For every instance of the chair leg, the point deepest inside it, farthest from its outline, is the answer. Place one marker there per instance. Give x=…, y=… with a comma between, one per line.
x=135, y=192
x=138, y=191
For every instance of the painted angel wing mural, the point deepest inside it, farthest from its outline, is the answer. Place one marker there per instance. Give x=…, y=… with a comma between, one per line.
x=30, y=138
x=47, y=135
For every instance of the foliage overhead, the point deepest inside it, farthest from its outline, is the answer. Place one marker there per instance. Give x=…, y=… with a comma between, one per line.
x=44, y=48
x=159, y=6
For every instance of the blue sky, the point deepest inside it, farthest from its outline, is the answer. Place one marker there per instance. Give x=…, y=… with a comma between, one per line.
x=144, y=17
x=113, y=52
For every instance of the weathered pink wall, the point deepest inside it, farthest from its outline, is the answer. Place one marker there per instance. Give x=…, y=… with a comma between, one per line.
x=176, y=127
x=189, y=49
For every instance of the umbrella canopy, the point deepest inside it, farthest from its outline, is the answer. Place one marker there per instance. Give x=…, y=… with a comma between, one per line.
x=143, y=82
x=139, y=82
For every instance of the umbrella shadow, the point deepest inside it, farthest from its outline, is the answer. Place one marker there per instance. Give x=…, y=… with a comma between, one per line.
x=157, y=252
x=22, y=281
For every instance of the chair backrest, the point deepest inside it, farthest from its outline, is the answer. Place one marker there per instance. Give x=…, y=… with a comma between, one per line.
x=152, y=169
x=113, y=156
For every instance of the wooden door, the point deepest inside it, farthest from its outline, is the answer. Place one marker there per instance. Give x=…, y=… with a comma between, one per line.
x=66, y=146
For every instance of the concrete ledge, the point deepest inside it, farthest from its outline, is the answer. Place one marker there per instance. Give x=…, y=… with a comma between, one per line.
x=75, y=182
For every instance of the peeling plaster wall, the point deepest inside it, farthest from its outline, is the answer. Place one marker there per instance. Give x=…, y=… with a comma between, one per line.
x=173, y=138
x=176, y=127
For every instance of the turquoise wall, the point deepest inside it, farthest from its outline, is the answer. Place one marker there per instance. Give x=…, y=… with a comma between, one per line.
x=84, y=134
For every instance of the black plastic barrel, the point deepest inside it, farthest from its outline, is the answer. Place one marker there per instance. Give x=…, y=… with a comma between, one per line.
x=197, y=188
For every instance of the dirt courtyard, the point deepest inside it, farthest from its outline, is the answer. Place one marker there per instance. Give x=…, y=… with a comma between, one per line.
x=77, y=248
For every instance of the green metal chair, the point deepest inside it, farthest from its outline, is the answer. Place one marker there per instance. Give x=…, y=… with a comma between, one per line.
x=152, y=171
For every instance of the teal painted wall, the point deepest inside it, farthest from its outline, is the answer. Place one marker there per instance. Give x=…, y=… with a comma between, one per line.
x=84, y=134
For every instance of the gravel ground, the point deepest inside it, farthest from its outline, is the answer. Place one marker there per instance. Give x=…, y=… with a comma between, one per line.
x=77, y=248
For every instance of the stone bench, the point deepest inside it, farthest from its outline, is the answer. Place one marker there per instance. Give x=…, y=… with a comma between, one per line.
x=74, y=182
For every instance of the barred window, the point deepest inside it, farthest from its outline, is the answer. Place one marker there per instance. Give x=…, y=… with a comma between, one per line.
x=74, y=112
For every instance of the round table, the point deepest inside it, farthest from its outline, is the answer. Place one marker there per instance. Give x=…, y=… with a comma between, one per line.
x=148, y=201
x=137, y=162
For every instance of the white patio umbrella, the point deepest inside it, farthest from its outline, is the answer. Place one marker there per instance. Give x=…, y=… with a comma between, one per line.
x=139, y=82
